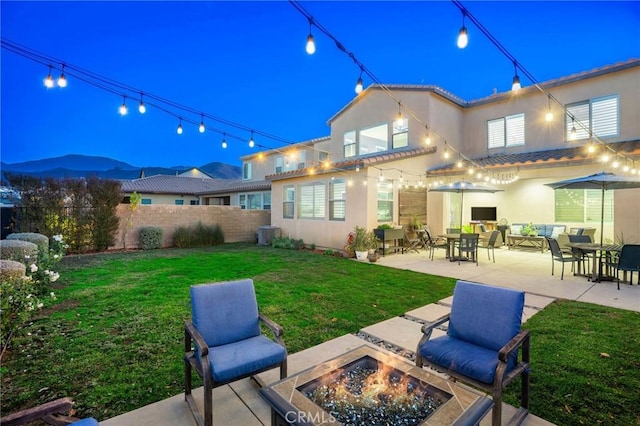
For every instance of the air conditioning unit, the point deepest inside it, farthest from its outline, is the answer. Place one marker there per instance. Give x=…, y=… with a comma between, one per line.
x=266, y=234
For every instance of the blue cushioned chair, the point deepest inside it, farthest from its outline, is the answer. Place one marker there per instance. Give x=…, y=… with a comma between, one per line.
x=51, y=413
x=224, y=343
x=482, y=343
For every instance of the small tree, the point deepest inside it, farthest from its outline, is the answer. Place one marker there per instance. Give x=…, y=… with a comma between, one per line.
x=134, y=202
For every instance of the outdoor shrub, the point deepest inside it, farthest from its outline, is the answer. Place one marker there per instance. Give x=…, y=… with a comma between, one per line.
x=198, y=236
x=150, y=237
x=287, y=243
x=105, y=195
x=42, y=241
x=10, y=269
x=18, y=250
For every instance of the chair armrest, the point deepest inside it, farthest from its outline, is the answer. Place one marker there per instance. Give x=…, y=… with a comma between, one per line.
x=518, y=340
x=275, y=328
x=427, y=329
x=59, y=406
x=190, y=333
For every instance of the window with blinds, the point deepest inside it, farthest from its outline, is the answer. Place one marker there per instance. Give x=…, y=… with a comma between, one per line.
x=246, y=171
x=288, y=201
x=385, y=202
x=337, y=199
x=311, y=202
x=505, y=131
x=582, y=205
x=350, y=144
x=598, y=116
x=400, y=136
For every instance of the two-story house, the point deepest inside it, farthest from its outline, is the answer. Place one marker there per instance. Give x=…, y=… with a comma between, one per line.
x=375, y=168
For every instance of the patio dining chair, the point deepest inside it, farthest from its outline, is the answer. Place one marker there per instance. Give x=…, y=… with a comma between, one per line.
x=558, y=255
x=468, y=246
x=483, y=342
x=628, y=261
x=409, y=243
x=490, y=245
x=435, y=243
x=224, y=343
x=582, y=258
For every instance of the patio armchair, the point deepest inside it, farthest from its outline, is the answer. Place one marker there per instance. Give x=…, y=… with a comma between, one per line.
x=483, y=342
x=628, y=261
x=224, y=343
x=490, y=244
x=581, y=257
x=558, y=255
x=468, y=246
x=51, y=413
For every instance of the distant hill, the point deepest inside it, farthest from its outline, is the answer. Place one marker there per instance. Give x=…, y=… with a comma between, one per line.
x=75, y=166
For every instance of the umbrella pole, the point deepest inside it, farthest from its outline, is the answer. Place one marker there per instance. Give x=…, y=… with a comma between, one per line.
x=461, y=204
x=602, y=217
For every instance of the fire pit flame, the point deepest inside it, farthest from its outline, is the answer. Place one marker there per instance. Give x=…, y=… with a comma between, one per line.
x=369, y=392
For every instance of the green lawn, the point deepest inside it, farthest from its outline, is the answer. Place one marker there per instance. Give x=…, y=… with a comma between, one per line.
x=113, y=340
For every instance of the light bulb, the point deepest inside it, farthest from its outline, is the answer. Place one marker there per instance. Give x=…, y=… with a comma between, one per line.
x=142, y=108
x=591, y=149
x=625, y=168
x=311, y=45
x=62, y=80
x=251, y=143
x=605, y=158
x=459, y=164
x=615, y=164
x=123, y=109
x=446, y=153
x=573, y=134
x=463, y=38
x=179, y=129
x=515, y=86
x=224, y=142
x=359, y=85
x=48, y=82
x=201, y=128
x=548, y=116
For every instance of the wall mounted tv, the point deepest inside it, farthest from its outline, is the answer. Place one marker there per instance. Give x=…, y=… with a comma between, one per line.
x=484, y=213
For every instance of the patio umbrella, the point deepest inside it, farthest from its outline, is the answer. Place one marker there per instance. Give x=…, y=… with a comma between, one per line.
x=461, y=187
x=602, y=181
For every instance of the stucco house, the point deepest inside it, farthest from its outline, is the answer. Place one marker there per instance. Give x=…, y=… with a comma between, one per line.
x=374, y=169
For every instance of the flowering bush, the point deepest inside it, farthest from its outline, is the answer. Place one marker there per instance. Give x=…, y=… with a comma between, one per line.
x=40, y=271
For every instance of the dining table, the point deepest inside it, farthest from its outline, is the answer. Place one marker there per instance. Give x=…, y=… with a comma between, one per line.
x=599, y=252
x=451, y=244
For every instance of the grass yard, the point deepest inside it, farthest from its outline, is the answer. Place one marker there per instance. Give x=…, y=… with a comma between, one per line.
x=113, y=340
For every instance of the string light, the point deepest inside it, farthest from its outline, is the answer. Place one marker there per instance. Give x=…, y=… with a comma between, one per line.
x=142, y=108
x=62, y=80
x=311, y=45
x=427, y=137
x=251, y=141
x=549, y=115
x=224, y=140
x=573, y=134
x=179, y=129
x=515, y=86
x=359, y=83
x=123, y=108
x=48, y=82
x=201, y=128
x=399, y=120
x=463, y=38
x=445, y=154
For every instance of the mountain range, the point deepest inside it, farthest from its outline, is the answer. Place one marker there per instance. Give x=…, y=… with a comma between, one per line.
x=75, y=166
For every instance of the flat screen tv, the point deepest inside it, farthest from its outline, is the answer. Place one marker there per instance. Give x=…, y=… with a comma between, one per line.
x=484, y=213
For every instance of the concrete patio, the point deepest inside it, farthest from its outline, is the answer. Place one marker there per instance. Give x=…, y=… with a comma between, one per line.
x=240, y=404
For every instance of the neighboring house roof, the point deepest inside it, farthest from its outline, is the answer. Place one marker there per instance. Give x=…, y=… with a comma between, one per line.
x=165, y=184
x=631, y=63
x=308, y=142
x=552, y=157
x=352, y=163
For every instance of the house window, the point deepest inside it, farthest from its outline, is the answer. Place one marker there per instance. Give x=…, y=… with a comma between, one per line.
x=598, y=116
x=385, y=202
x=312, y=199
x=194, y=202
x=302, y=160
x=349, y=144
x=145, y=201
x=266, y=201
x=285, y=163
x=374, y=139
x=246, y=171
x=337, y=199
x=288, y=201
x=324, y=156
x=583, y=205
x=255, y=201
x=400, y=137
x=179, y=202
x=506, y=131
x=242, y=201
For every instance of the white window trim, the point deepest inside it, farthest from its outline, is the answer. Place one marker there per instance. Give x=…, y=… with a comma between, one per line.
x=506, y=131
x=583, y=119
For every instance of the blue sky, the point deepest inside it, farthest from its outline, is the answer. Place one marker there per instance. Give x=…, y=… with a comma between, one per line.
x=245, y=62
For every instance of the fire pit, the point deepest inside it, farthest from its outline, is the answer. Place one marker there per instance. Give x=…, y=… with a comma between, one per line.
x=368, y=387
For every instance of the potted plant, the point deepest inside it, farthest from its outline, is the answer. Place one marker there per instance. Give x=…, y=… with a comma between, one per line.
x=416, y=223
x=362, y=242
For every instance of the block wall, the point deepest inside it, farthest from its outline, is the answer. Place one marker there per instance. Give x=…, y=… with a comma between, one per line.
x=238, y=225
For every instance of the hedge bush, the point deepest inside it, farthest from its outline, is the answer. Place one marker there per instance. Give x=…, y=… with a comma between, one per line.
x=42, y=241
x=18, y=250
x=198, y=236
x=150, y=237
x=10, y=269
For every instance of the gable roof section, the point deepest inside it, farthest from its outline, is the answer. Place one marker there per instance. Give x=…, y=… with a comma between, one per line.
x=166, y=184
x=352, y=163
x=550, y=158
x=620, y=66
